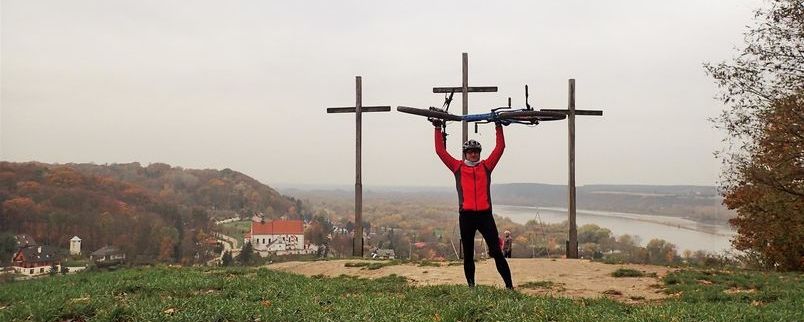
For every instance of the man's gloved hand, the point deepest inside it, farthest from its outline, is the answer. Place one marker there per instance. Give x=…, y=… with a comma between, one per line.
x=436, y=122
x=501, y=123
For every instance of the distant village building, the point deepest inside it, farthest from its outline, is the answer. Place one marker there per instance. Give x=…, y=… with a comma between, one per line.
x=108, y=256
x=278, y=236
x=36, y=260
x=24, y=240
x=383, y=254
x=75, y=246
x=339, y=230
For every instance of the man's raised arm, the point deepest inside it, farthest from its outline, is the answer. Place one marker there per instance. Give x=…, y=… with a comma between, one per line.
x=441, y=151
x=495, y=155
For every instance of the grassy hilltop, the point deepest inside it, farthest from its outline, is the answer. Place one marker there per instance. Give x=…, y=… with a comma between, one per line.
x=260, y=294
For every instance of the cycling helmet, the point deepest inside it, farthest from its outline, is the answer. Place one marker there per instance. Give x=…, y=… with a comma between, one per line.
x=471, y=145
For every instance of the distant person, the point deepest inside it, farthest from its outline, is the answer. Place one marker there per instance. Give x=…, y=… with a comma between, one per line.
x=473, y=180
x=508, y=242
x=374, y=252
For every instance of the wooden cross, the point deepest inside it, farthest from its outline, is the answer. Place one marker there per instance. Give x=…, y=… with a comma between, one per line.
x=572, y=243
x=465, y=89
x=358, y=109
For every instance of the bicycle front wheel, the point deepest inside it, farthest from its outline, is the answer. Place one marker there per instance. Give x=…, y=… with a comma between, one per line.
x=532, y=116
x=428, y=113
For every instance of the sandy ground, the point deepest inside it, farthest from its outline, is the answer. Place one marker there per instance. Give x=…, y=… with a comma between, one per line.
x=569, y=277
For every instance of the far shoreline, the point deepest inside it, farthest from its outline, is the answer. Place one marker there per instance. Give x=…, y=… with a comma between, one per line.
x=636, y=217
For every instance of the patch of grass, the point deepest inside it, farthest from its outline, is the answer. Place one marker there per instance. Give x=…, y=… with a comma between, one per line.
x=356, y=264
x=236, y=230
x=426, y=263
x=769, y=292
x=373, y=265
x=247, y=294
x=537, y=284
x=627, y=272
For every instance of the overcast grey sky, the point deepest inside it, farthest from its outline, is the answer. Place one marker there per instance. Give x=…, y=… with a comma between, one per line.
x=244, y=85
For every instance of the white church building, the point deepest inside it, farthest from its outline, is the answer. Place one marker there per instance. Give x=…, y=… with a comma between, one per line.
x=282, y=237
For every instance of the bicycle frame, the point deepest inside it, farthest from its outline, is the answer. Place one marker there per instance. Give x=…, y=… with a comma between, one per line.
x=494, y=116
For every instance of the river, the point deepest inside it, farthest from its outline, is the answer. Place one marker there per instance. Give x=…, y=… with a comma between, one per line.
x=684, y=233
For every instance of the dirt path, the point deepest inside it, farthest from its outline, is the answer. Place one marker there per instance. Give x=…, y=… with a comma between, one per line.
x=569, y=277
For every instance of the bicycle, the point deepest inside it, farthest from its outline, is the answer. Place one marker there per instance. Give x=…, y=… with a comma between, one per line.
x=505, y=115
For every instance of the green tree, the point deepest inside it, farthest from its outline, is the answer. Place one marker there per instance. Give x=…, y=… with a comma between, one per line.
x=315, y=234
x=592, y=233
x=660, y=251
x=7, y=246
x=763, y=174
x=246, y=254
x=226, y=259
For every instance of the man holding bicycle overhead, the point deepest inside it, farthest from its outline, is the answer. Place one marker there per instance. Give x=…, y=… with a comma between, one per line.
x=473, y=180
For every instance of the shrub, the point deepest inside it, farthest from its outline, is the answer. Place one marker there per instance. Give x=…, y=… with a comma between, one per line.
x=627, y=272
x=537, y=284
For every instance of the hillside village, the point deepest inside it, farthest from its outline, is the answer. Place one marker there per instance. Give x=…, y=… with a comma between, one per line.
x=278, y=237
x=87, y=215
x=32, y=259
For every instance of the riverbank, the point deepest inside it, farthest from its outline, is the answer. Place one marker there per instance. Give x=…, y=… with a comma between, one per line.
x=669, y=221
x=685, y=233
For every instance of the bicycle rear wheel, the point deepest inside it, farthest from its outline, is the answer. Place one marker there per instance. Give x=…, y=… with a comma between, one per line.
x=532, y=116
x=428, y=113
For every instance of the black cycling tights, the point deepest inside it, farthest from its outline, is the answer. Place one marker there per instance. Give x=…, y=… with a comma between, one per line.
x=471, y=221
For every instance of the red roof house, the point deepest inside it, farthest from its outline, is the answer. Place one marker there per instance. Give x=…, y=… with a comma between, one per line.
x=36, y=260
x=278, y=227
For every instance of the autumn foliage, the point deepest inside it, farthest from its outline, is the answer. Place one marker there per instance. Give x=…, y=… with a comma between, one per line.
x=154, y=213
x=770, y=198
x=763, y=177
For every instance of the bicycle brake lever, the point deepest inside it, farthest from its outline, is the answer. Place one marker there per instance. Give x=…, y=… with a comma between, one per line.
x=527, y=104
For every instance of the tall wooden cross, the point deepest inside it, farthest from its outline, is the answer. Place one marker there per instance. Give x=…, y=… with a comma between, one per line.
x=465, y=89
x=572, y=243
x=358, y=109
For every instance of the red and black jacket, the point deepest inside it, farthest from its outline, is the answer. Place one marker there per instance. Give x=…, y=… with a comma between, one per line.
x=473, y=182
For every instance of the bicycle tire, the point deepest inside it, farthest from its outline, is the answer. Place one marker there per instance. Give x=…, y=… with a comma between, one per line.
x=428, y=113
x=532, y=116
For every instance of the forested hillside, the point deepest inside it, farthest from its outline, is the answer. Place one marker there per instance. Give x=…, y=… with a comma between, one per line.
x=155, y=212
x=221, y=192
